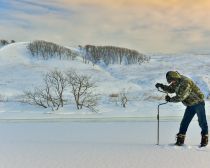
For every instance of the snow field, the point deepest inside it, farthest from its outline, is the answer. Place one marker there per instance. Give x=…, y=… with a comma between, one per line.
x=96, y=144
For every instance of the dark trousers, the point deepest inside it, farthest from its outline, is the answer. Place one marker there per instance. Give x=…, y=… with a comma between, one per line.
x=190, y=111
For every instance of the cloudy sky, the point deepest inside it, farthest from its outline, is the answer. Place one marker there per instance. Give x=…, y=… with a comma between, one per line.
x=167, y=26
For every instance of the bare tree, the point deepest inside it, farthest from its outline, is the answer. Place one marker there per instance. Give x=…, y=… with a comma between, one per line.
x=37, y=97
x=56, y=82
x=123, y=99
x=51, y=94
x=82, y=90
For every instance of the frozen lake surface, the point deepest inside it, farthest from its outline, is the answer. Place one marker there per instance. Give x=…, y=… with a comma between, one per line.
x=98, y=145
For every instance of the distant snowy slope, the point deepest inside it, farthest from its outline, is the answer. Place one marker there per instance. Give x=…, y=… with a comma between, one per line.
x=14, y=53
x=19, y=71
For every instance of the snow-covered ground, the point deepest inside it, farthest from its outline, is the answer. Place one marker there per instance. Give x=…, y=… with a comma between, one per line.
x=116, y=137
x=98, y=145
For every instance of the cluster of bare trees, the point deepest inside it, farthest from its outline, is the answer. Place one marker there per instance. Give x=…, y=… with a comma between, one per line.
x=121, y=98
x=47, y=50
x=112, y=55
x=56, y=83
x=6, y=42
x=94, y=54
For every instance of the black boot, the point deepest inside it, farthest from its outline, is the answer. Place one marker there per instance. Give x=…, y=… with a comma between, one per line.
x=180, y=139
x=204, y=140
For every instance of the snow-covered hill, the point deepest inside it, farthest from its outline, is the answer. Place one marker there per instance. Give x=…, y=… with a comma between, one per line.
x=19, y=71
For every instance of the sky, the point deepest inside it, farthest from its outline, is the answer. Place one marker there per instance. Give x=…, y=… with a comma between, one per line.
x=149, y=26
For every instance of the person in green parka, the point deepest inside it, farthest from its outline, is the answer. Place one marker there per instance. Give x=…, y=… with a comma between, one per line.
x=191, y=96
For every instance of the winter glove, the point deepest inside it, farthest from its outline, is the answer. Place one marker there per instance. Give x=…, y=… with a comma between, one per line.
x=167, y=98
x=159, y=85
